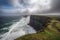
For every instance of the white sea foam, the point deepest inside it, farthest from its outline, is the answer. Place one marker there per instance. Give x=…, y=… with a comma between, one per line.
x=18, y=29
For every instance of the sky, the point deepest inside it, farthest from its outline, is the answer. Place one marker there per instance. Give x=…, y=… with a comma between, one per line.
x=20, y=7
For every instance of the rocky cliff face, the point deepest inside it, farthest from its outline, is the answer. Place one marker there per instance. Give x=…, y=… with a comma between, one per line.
x=51, y=30
x=39, y=22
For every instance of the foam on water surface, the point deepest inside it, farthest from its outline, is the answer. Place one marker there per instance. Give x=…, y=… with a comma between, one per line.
x=18, y=29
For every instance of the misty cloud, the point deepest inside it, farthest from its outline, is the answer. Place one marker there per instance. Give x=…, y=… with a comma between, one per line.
x=20, y=7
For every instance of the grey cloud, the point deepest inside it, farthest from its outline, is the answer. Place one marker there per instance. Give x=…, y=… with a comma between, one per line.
x=26, y=8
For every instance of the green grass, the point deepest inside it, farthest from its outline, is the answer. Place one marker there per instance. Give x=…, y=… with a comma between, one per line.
x=50, y=33
x=41, y=36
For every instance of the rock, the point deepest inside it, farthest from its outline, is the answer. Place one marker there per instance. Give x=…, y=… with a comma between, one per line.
x=39, y=22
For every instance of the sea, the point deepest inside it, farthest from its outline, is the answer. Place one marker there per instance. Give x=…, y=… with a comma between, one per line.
x=6, y=22
x=12, y=27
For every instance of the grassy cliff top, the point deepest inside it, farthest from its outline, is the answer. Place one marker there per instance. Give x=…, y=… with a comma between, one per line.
x=51, y=32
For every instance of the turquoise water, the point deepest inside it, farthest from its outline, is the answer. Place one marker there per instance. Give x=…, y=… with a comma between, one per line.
x=6, y=22
x=14, y=27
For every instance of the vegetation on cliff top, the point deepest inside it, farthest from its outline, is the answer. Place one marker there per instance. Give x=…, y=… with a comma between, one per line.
x=51, y=32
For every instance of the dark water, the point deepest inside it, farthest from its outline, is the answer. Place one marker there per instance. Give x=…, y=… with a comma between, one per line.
x=6, y=22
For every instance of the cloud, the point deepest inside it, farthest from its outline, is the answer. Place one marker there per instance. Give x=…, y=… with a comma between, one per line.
x=32, y=5
x=21, y=7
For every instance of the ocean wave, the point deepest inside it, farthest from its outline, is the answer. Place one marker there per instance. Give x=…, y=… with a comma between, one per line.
x=18, y=29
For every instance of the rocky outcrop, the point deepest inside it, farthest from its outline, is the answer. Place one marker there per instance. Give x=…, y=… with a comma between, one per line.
x=39, y=22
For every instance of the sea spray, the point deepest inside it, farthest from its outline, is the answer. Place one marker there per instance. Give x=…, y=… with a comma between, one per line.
x=18, y=29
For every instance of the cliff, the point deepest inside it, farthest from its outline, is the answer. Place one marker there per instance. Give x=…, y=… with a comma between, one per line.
x=50, y=32
x=39, y=22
